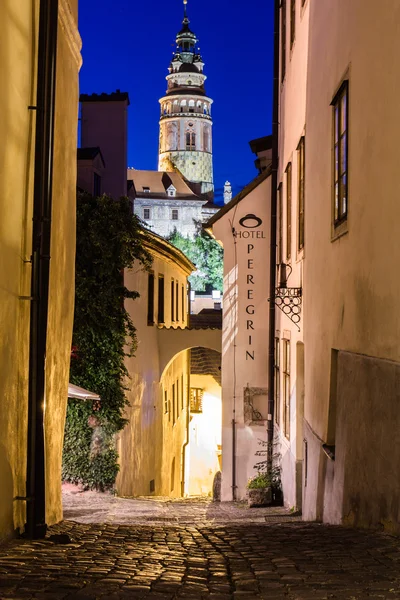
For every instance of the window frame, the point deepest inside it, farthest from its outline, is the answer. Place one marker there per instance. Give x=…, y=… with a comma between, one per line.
x=150, y=298
x=172, y=301
x=286, y=388
x=177, y=301
x=190, y=140
x=289, y=181
x=301, y=172
x=161, y=300
x=283, y=39
x=174, y=211
x=96, y=184
x=144, y=214
x=277, y=382
x=339, y=215
x=292, y=23
x=280, y=223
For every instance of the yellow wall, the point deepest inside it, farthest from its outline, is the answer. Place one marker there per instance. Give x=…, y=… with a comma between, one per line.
x=144, y=445
x=18, y=60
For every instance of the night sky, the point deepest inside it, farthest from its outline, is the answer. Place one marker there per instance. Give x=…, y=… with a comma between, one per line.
x=128, y=44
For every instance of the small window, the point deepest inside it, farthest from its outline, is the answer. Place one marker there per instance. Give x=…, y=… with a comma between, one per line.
x=146, y=190
x=196, y=400
x=146, y=214
x=292, y=22
x=289, y=211
x=190, y=140
x=173, y=405
x=280, y=224
x=183, y=303
x=277, y=383
x=150, y=299
x=161, y=299
x=177, y=399
x=182, y=396
x=283, y=40
x=96, y=185
x=172, y=301
x=175, y=214
x=177, y=301
x=340, y=153
x=165, y=402
x=286, y=387
x=301, y=192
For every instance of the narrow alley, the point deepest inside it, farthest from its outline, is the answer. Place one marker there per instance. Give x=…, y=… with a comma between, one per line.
x=167, y=549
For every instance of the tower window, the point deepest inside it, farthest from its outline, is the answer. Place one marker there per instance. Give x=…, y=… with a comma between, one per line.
x=146, y=190
x=190, y=140
x=146, y=213
x=175, y=214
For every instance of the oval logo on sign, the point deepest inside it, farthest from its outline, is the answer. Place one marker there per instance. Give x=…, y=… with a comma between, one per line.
x=250, y=221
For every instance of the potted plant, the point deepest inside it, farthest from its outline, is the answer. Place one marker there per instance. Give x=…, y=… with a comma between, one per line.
x=260, y=492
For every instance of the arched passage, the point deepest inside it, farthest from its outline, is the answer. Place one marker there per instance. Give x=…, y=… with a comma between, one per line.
x=192, y=422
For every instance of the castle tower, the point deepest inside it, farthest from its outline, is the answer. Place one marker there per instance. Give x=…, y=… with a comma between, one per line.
x=185, y=123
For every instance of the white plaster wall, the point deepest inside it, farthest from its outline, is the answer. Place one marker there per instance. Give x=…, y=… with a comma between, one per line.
x=161, y=215
x=292, y=109
x=351, y=284
x=205, y=437
x=243, y=302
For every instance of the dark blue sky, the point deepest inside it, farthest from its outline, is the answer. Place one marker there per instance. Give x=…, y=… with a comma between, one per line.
x=127, y=44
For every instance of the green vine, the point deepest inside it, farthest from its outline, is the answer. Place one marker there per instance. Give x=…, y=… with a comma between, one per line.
x=109, y=239
x=206, y=254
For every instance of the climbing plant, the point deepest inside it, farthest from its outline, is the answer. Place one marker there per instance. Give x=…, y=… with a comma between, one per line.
x=206, y=254
x=110, y=238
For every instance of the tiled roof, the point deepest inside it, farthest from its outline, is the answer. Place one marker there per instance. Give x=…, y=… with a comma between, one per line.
x=158, y=182
x=204, y=361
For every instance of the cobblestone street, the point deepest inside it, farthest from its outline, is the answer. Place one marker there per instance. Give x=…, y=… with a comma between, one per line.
x=260, y=553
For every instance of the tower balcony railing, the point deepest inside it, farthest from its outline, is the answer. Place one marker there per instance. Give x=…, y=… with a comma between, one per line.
x=170, y=115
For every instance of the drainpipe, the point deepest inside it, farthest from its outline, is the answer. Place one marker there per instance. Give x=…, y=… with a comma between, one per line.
x=42, y=204
x=272, y=270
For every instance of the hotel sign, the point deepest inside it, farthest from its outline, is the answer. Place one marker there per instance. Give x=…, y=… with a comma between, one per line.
x=250, y=229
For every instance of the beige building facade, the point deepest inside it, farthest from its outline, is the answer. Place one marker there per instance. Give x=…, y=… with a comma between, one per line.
x=242, y=227
x=18, y=78
x=352, y=325
x=153, y=447
x=291, y=251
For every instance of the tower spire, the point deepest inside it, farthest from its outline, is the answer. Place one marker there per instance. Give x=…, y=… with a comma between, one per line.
x=185, y=9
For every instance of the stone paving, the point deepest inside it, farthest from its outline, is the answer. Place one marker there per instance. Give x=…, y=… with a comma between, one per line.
x=274, y=558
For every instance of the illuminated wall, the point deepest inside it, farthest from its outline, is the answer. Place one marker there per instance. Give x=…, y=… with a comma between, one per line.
x=244, y=330
x=205, y=437
x=18, y=61
x=157, y=387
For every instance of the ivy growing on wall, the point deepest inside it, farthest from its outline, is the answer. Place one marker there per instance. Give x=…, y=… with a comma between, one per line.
x=109, y=239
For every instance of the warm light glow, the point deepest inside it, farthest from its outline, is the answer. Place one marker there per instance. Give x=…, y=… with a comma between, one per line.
x=205, y=443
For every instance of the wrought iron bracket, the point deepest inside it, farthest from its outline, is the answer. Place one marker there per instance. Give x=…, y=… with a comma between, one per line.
x=289, y=301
